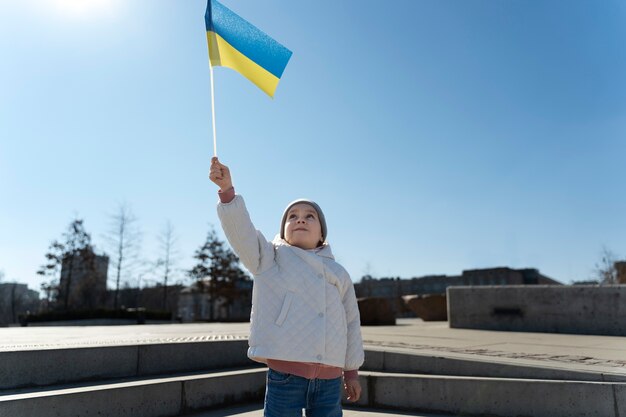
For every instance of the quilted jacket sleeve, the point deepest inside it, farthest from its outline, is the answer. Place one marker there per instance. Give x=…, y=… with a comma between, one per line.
x=254, y=251
x=354, y=353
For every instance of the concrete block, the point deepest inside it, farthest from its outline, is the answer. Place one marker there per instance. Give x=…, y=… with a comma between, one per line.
x=493, y=396
x=182, y=357
x=120, y=400
x=46, y=367
x=376, y=311
x=579, y=309
x=225, y=388
x=428, y=307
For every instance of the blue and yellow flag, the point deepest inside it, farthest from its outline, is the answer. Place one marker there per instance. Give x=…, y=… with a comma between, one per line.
x=235, y=43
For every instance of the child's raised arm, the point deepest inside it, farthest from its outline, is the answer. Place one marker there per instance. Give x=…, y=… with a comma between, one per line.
x=255, y=252
x=220, y=175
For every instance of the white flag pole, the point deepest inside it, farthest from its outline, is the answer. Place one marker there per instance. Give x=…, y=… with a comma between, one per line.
x=213, y=110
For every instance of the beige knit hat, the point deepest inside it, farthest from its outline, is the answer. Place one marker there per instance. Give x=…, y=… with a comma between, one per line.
x=313, y=204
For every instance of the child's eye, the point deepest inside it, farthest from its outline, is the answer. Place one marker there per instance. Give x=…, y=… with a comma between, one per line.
x=292, y=216
x=310, y=216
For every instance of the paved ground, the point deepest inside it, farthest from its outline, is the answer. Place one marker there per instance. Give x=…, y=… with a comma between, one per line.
x=578, y=352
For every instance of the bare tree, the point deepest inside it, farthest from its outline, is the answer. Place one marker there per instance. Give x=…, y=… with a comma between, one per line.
x=605, y=271
x=124, y=241
x=169, y=256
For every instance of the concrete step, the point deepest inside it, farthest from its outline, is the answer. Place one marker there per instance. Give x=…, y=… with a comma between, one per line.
x=415, y=393
x=148, y=397
x=400, y=361
x=502, y=397
x=30, y=368
x=256, y=410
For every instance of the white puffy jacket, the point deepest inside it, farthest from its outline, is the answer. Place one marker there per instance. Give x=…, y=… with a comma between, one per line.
x=303, y=304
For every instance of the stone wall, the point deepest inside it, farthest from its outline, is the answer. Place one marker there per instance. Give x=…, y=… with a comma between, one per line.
x=581, y=309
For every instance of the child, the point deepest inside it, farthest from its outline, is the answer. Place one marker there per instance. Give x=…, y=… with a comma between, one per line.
x=305, y=321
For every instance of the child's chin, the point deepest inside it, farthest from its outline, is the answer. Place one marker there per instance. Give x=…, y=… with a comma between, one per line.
x=300, y=244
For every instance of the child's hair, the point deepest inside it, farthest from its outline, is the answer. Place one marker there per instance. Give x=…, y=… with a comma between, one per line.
x=317, y=208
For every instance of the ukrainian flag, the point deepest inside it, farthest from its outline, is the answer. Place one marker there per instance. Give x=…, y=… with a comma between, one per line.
x=236, y=44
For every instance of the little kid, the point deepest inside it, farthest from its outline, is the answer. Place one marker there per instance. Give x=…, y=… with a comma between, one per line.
x=305, y=321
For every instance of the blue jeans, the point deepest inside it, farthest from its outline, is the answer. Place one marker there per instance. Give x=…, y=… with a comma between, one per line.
x=286, y=395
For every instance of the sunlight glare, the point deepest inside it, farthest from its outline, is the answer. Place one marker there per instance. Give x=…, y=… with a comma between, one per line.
x=84, y=8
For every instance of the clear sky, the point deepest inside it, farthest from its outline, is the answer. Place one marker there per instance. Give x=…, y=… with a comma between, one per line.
x=436, y=135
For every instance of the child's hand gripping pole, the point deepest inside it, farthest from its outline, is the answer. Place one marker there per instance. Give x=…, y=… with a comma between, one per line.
x=220, y=175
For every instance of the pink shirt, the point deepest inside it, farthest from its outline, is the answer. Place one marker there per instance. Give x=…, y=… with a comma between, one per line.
x=306, y=370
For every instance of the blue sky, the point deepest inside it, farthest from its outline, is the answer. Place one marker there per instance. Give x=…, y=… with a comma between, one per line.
x=437, y=136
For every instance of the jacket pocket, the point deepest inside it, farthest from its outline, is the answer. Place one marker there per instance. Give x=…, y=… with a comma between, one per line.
x=285, y=309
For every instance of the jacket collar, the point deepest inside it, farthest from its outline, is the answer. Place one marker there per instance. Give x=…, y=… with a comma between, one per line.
x=313, y=258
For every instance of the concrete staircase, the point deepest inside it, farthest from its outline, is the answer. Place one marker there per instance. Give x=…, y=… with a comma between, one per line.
x=177, y=379
x=407, y=381
x=145, y=380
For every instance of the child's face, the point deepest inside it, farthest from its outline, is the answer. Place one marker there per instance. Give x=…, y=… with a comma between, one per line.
x=302, y=227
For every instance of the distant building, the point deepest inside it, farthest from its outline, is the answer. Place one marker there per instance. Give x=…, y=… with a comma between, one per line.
x=196, y=304
x=586, y=282
x=437, y=284
x=15, y=300
x=83, y=283
x=150, y=298
x=620, y=269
